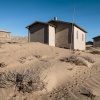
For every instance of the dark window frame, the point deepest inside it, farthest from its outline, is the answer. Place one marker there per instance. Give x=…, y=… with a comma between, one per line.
x=77, y=35
x=82, y=37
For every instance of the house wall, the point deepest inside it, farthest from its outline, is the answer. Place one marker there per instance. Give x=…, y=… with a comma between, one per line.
x=63, y=34
x=4, y=36
x=38, y=33
x=79, y=44
x=96, y=42
x=51, y=35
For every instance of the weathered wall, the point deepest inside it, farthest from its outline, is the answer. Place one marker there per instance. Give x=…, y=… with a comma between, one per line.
x=96, y=42
x=38, y=33
x=51, y=35
x=79, y=43
x=4, y=36
x=63, y=34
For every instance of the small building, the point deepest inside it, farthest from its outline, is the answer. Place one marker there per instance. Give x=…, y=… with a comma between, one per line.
x=89, y=43
x=58, y=33
x=4, y=36
x=96, y=41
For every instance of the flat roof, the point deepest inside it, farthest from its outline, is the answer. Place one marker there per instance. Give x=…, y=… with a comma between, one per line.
x=4, y=31
x=39, y=23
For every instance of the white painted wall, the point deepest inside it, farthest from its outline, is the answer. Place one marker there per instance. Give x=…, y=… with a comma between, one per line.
x=51, y=35
x=78, y=43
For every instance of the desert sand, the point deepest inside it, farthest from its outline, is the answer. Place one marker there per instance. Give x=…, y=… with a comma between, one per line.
x=67, y=74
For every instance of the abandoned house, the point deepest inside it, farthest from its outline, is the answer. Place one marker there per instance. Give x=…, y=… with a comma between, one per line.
x=4, y=36
x=96, y=41
x=57, y=33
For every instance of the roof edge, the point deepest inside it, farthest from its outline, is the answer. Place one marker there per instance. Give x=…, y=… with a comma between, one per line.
x=96, y=37
x=40, y=23
x=68, y=23
x=80, y=28
x=4, y=31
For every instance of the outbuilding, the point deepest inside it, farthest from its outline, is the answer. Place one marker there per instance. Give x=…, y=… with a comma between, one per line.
x=4, y=36
x=96, y=41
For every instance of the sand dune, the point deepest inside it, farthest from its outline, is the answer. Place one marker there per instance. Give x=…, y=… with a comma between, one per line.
x=67, y=79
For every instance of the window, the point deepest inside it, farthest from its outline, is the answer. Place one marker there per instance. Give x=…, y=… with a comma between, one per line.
x=77, y=35
x=82, y=37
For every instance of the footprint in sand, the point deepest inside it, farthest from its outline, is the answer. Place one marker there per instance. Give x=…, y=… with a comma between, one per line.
x=29, y=58
x=22, y=60
x=37, y=56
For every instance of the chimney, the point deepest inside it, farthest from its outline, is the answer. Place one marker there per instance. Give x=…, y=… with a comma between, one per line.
x=55, y=18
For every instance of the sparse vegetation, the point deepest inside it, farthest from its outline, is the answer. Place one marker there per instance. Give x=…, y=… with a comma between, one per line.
x=95, y=52
x=67, y=76
x=24, y=81
x=73, y=60
x=90, y=60
x=78, y=60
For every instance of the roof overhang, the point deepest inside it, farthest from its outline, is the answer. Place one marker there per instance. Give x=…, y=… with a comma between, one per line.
x=39, y=23
x=79, y=27
x=96, y=37
x=67, y=23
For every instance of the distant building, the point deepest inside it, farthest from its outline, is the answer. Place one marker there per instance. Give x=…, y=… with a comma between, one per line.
x=57, y=33
x=4, y=36
x=89, y=43
x=96, y=41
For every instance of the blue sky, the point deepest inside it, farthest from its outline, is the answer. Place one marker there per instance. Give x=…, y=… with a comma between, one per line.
x=15, y=15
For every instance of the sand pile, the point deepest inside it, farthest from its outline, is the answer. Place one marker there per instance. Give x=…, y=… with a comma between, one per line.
x=34, y=71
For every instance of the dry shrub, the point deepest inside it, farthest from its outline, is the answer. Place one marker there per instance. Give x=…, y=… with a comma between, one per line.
x=2, y=64
x=78, y=60
x=90, y=60
x=95, y=52
x=24, y=81
x=73, y=60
